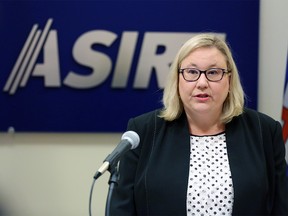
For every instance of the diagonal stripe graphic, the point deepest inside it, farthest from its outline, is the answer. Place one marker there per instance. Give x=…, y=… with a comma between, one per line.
x=24, y=64
x=37, y=51
x=20, y=58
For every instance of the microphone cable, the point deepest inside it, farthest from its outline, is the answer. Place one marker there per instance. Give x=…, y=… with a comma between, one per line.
x=90, y=198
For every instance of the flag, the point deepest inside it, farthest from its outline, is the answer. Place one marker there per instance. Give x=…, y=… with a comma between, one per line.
x=285, y=112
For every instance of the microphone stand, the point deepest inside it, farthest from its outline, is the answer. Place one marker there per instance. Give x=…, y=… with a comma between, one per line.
x=113, y=181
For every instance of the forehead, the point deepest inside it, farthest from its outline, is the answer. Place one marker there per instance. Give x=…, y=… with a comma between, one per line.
x=205, y=55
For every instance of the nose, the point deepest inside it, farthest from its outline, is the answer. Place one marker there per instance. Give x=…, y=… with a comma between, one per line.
x=202, y=82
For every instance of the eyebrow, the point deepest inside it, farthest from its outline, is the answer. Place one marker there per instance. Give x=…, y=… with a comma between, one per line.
x=194, y=65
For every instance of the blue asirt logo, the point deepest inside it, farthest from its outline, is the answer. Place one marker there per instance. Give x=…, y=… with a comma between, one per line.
x=63, y=73
x=100, y=63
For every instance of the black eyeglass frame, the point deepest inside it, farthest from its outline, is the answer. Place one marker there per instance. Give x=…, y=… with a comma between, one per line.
x=181, y=70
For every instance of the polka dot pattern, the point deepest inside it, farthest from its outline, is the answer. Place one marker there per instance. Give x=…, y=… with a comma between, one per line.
x=210, y=188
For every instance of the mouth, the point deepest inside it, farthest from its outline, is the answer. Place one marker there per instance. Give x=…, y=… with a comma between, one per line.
x=202, y=95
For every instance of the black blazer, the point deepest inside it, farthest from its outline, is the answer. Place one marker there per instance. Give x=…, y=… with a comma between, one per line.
x=154, y=177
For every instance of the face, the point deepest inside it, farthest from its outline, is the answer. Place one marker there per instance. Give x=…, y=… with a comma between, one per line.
x=203, y=96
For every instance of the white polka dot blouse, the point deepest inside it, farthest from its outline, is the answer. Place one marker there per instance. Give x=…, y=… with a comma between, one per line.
x=210, y=188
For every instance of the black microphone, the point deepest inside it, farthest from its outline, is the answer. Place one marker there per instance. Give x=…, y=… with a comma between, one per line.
x=129, y=140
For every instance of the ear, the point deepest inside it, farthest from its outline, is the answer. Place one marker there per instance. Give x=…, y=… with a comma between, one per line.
x=230, y=77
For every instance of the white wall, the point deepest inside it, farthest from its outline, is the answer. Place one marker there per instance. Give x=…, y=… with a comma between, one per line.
x=51, y=174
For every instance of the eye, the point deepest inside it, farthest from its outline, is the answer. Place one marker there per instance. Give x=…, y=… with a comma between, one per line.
x=213, y=72
x=192, y=71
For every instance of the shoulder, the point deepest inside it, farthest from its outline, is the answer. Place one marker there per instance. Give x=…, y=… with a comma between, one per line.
x=151, y=122
x=251, y=115
x=255, y=119
x=256, y=115
x=146, y=118
x=145, y=121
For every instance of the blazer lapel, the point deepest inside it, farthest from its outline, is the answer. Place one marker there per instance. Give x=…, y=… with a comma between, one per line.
x=247, y=165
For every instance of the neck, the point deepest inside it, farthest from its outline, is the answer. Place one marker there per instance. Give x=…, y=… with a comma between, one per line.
x=205, y=124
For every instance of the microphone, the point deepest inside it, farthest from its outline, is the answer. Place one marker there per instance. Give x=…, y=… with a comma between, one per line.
x=129, y=140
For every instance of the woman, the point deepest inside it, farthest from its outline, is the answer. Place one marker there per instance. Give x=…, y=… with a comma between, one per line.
x=203, y=153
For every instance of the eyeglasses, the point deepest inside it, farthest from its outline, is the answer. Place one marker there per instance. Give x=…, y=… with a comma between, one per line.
x=212, y=74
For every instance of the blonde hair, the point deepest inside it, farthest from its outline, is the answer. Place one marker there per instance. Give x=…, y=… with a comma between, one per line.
x=234, y=103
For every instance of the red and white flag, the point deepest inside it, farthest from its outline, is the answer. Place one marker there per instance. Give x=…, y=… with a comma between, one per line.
x=285, y=112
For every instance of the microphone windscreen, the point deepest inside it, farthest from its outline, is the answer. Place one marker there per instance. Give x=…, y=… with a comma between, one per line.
x=132, y=138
